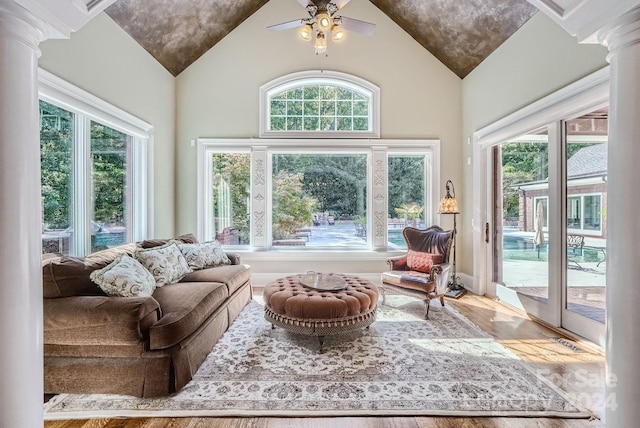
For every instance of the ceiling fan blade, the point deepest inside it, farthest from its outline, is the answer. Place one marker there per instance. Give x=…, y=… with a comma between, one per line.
x=304, y=3
x=340, y=3
x=355, y=25
x=287, y=25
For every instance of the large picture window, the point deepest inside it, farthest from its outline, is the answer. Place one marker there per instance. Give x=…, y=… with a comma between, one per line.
x=320, y=200
x=341, y=195
x=94, y=171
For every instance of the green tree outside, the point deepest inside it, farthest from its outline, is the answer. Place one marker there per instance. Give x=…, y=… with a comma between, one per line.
x=525, y=163
x=234, y=170
x=56, y=159
x=292, y=206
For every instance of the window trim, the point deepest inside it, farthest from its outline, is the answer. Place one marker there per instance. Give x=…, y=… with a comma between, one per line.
x=263, y=148
x=581, y=229
x=313, y=76
x=87, y=108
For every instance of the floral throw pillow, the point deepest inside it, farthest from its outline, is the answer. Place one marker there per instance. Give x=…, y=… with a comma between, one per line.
x=166, y=263
x=204, y=255
x=422, y=262
x=124, y=277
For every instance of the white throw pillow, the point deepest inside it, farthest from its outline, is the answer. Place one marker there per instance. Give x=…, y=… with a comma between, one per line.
x=204, y=255
x=124, y=277
x=166, y=263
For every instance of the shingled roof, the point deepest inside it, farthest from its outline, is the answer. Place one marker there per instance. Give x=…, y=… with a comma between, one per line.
x=588, y=162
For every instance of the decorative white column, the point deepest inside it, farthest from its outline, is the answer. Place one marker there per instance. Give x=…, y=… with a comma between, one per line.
x=259, y=230
x=20, y=221
x=623, y=208
x=378, y=228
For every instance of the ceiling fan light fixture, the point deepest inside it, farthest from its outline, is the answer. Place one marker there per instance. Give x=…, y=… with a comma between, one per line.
x=324, y=21
x=337, y=34
x=306, y=32
x=320, y=44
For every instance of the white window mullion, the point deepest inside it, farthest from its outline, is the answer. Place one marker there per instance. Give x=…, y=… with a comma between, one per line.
x=204, y=185
x=138, y=180
x=557, y=212
x=81, y=186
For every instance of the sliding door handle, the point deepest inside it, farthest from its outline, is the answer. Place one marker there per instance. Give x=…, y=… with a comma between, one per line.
x=486, y=232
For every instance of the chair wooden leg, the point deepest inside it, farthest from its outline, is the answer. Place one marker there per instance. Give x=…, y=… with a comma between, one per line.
x=442, y=300
x=426, y=302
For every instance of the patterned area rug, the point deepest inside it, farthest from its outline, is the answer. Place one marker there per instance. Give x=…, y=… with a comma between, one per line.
x=401, y=365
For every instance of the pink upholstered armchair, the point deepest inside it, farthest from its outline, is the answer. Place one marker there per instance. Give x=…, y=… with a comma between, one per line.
x=424, y=270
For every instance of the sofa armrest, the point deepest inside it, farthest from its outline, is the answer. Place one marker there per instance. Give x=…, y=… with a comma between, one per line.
x=99, y=320
x=397, y=263
x=234, y=257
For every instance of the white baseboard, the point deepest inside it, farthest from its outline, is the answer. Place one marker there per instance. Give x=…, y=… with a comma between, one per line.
x=468, y=282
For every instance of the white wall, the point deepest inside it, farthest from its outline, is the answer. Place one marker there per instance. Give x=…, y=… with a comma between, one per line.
x=537, y=60
x=105, y=61
x=217, y=96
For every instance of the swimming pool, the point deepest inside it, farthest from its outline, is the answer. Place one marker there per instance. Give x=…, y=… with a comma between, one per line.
x=522, y=248
x=395, y=239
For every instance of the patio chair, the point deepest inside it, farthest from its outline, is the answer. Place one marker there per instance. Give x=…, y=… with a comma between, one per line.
x=575, y=246
x=424, y=270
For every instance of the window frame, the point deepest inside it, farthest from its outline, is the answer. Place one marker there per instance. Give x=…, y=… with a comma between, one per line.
x=261, y=185
x=87, y=108
x=581, y=229
x=327, y=77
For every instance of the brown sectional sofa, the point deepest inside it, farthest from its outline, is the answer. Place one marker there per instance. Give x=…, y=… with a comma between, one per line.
x=141, y=346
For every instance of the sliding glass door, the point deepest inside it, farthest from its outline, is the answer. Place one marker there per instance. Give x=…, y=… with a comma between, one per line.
x=548, y=209
x=520, y=260
x=585, y=185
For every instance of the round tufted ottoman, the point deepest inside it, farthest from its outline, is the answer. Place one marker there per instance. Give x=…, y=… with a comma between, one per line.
x=305, y=310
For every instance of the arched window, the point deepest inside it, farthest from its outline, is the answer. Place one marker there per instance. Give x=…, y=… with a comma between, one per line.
x=319, y=104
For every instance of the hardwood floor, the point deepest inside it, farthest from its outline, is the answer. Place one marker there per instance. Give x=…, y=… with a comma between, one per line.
x=573, y=366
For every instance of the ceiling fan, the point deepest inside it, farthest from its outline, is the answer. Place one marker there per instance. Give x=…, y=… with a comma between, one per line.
x=323, y=19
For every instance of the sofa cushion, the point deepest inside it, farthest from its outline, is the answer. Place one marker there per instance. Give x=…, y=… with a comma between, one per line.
x=204, y=255
x=110, y=254
x=421, y=261
x=187, y=238
x=184, y=308
x=233, y=276
x=124, y=277
x=69, y=276
x=166, y=263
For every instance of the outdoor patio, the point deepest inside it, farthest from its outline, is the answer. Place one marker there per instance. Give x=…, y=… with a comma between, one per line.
x=525, y=270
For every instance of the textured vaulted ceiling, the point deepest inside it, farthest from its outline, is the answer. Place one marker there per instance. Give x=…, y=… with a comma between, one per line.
x=460, y=33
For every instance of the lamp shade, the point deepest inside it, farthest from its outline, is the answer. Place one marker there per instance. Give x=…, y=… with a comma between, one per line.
x=306, y=32
x=337, y=34
x=449, y=204
x=321, y=43
x=324, y=21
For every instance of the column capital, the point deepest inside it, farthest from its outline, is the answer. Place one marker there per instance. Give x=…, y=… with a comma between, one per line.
x=19, y=24
x=584, y=18
x=623, y=32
